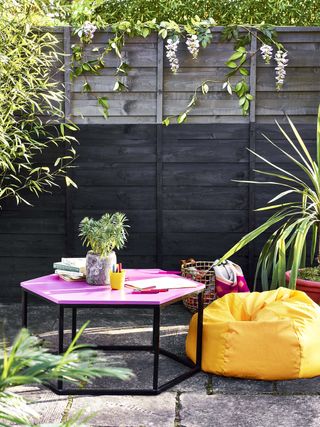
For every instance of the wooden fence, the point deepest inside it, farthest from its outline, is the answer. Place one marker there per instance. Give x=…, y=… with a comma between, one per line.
x=154, y=92
x=175, y=183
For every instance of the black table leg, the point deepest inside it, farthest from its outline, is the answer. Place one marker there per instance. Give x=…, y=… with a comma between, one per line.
x=60, y=337
x=24, y=312
x=199, y=330
x=156, y=346
x=74, y=322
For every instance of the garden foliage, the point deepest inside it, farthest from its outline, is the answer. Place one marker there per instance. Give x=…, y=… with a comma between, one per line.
x=296, y=211
x=224, y=12
x=35, y=148
x=28, y=362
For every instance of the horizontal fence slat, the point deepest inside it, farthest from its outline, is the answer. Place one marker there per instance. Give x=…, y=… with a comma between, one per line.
x=138, y=80
x=205, y=198
x=202, y=174
x=201, y=150
x=117, y=197
x=200, y=221
x=214, y=245
x=139, y=220
x=290, y=103
x=115, y=174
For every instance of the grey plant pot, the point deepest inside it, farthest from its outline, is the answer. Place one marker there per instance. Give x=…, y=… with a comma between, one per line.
x=97, y=268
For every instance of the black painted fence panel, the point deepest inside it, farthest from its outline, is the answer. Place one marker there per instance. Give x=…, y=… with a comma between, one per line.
x=201, y=210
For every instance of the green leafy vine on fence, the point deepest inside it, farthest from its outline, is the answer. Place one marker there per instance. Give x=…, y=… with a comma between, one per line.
x=197, y=34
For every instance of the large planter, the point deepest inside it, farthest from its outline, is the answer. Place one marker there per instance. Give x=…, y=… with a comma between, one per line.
x=312, y=289
x=97, y=268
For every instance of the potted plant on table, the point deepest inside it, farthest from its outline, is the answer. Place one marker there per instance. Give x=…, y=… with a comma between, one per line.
x=295, y=222
x=103, y=236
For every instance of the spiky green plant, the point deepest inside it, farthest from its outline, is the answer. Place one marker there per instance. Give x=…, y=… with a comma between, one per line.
x=28, y=362
x=105, y=234
x=293, y=221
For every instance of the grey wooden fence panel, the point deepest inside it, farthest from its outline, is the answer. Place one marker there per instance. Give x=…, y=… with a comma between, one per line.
x=136, y=105
x=299, y=97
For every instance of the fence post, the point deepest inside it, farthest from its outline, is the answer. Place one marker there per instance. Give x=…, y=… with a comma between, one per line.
x=67, y=70
x=159, y=171
x=252, y=146
x=67, y=113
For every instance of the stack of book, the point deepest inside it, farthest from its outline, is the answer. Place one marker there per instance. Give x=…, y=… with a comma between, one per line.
x=70, y=268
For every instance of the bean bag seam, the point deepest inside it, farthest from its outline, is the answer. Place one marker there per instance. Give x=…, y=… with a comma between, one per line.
x=300, y=348
x=225, y=348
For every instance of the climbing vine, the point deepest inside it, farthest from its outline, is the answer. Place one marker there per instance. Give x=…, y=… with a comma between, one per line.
x=197, y=35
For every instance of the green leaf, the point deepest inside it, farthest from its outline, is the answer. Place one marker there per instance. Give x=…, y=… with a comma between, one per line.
x=86, y=87
x=166, y=121
x=103, y=101
x=181, y=118
x=314, y=237
x=242, y=100
x=238, y=86
x=236, y=55
x=254, y=234
x=231, y=64
x=243, y=71
x=282, y=262
x=163, y=33
x=318, y=138
x=299, y=243
x=70, y=182
x=204, y=88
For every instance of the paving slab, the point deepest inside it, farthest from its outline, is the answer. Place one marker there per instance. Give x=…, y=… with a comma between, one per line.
x=239, y=385
x=248, y=411
x=198, y=382
x=128, y=411
x=41, y=318
x=48, y=405
x=303, y=386
x=141, y=364
x=202, y=400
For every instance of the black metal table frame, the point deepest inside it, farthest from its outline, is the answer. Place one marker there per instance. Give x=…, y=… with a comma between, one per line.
x=154, y=348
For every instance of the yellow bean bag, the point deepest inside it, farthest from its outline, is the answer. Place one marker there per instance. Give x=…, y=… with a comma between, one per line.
x=273, y=335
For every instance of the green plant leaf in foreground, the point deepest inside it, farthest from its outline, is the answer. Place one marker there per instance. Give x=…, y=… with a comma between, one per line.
x=28, y=362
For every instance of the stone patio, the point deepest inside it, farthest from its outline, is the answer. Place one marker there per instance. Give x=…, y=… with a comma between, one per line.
x=203, y=400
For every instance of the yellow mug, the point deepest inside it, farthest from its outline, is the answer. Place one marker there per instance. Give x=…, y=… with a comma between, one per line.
x=117, y=279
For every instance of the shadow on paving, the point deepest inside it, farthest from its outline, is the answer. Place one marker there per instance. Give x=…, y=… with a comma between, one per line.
x=202, y=400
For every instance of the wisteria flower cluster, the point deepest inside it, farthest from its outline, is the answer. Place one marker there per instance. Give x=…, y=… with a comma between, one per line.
x=193, y=45
x=266, y=53
x=87, y=30
x=282, y=61
x=172, y=47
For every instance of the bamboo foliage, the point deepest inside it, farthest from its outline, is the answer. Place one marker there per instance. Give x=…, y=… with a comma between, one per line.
x=31, y=105
x=293, y=221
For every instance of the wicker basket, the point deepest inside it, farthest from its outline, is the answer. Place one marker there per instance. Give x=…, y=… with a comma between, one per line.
x=198, y=271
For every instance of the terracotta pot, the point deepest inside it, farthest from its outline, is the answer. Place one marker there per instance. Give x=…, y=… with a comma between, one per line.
x=312, y=289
